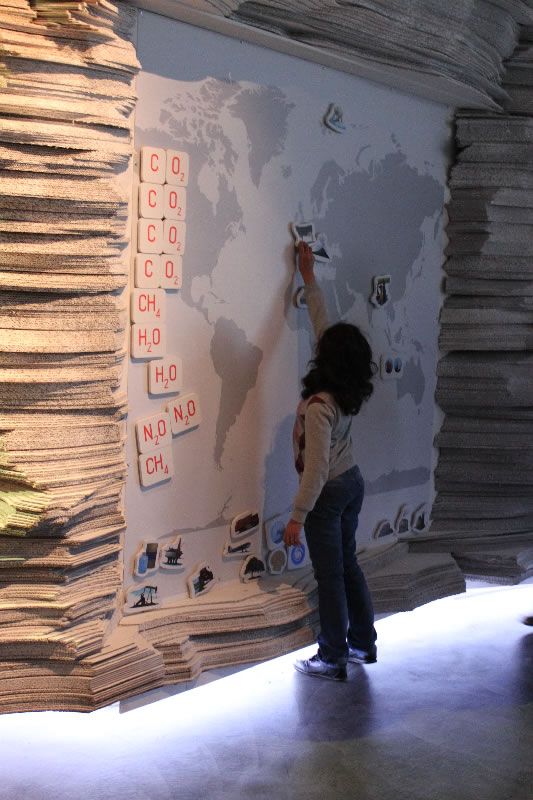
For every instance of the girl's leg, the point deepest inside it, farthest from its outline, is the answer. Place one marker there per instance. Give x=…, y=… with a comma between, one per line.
x=361, y=632
x=324, y=539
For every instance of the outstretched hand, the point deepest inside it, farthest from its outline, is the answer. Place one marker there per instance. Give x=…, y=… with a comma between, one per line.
x=306, y=262
x=292, y=533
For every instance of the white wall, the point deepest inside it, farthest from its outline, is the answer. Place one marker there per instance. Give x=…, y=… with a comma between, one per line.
x=261, y=157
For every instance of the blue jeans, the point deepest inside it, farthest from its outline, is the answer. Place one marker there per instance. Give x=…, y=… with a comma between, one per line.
x=344, y=602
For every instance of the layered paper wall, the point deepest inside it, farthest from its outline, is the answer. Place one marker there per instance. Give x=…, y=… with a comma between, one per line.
x=67, y=99
x=66, y=105
x=483, y=513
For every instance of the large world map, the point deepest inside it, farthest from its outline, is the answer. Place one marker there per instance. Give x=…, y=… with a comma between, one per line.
x=207, y=122
x=261, y=158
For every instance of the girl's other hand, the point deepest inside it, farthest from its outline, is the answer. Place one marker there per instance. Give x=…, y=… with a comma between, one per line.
x=292, y=533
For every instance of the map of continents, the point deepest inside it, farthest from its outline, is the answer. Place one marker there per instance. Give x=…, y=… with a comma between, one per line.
x=201, y=122
x=370, y=213
x=349, y=204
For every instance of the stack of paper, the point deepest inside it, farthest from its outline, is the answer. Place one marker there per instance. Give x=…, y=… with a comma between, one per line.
x=455, y=48
x=126, y=665
x=65, y=139
x=233, y=624
x=483, y=513
x=413, y=580
x=236, y=623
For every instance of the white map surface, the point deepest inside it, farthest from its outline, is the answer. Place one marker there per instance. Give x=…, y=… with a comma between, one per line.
x=260, y=157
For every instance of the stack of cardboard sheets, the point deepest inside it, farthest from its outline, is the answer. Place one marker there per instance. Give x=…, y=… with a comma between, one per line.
x=66, y=102
x=238, y=623
x=452, y=50
x=483, y=513
x=414, y=580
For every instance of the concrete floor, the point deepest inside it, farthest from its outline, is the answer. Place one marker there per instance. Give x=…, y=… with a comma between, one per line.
x=446, y=714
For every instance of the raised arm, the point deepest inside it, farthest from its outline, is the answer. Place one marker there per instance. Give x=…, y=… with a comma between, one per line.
x=313, y=293
x=317, y=425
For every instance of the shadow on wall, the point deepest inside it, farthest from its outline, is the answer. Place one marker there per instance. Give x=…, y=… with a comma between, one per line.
x=280, y=482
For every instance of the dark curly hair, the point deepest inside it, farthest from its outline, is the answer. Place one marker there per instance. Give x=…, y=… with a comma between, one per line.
x=342, y=366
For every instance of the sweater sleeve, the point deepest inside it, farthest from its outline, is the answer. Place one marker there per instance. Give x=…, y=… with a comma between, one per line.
x=319, y=418
x=317, y=308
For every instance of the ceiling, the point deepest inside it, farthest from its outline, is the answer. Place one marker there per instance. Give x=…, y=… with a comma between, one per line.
x=452, y=53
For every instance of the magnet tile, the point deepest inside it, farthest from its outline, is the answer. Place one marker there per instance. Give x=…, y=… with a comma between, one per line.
x=150, y=236
x=252, y=569
x=148, y=305
x=140, y=598
x=236, y=549
x=174, y=202
x=148, y=341
x=171, y=271
x=153, y=165
x=274, y=530
x=165, y=375
x=146, y=561
x=153, y=432
x=173, y=237
x=147, y=270
x=403, y=520
x=380, y=290
x=244, y=524
x=298, y=556
x=201, y=580
x=420, y=519
x=303, y=232
x=151, y=201
x=391, y=366
x=333, y=118
x=299, y=299
x=156, y=466
x=277, y=561
x=382, y=529
x=184, y=413
x=171, y=555
x=177, y=168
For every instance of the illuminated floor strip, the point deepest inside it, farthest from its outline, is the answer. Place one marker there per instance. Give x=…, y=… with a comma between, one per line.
x=445, y=713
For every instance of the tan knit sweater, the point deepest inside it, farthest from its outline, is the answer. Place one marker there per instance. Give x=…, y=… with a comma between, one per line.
x=322, y=433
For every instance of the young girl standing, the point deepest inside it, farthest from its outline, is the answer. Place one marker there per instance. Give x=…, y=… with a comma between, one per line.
x=331, y=490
